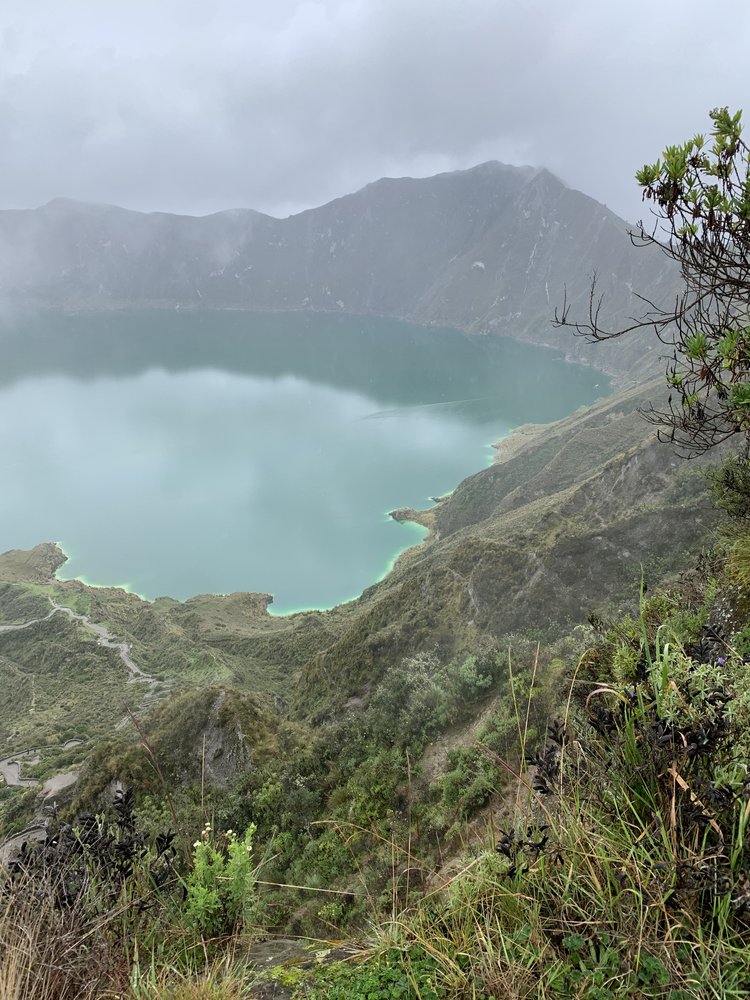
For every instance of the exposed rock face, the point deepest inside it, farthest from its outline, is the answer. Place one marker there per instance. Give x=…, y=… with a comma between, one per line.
x=221, y=746
x=487, y=250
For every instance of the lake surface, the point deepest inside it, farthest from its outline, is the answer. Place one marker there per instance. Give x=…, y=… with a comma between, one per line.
x=179, y=454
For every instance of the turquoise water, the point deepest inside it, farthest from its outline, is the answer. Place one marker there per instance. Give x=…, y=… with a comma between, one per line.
x=179, y=454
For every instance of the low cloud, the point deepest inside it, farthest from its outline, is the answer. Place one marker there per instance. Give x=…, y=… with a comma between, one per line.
x=184, y=108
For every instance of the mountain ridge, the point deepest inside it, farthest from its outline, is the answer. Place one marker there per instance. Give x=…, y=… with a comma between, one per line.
x=490, y=250
x=485, y=167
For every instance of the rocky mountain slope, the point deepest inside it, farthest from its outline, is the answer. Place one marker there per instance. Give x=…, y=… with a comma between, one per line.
x=487, y=250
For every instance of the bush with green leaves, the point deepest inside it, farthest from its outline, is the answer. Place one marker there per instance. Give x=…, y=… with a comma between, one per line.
x=410, y=702
x=421, y=696
x=221, y=883
x=393, y=975
x=518, y=717
x=730, y=488
x=699, y=192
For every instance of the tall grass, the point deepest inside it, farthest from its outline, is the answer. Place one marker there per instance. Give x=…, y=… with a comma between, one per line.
x=623, y=872
x=627, y=871
x=47, y=953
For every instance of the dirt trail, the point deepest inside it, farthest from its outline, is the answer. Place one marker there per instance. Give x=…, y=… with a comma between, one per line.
x=104, y=638
x=10, y=767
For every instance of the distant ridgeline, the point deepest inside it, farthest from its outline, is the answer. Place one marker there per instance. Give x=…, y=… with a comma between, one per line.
x=488, y=250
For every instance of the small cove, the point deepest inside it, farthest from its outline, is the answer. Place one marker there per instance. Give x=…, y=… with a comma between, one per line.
x=180, y=454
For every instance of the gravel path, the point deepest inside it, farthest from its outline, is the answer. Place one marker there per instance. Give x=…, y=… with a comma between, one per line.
x=10, y=767
x=104, y=638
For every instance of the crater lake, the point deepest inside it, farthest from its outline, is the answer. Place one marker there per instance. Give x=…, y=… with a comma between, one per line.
x=181, y=453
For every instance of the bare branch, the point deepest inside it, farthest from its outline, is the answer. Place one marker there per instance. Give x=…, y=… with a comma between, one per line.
x=701, y=222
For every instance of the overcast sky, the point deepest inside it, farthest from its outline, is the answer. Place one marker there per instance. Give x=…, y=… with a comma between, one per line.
x=195, y=106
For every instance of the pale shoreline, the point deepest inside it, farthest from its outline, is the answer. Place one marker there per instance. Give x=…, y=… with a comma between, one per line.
x=47, y=558
x=423, y=518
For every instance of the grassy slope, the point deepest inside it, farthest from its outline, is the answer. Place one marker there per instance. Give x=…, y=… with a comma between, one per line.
x=562, y=526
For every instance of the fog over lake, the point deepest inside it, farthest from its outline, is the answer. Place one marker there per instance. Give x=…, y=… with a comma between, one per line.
x=180, y=454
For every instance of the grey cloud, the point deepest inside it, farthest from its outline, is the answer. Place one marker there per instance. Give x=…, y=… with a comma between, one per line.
x=182, y=107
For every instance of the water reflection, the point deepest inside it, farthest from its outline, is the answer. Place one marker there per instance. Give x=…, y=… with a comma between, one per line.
x=181, y=464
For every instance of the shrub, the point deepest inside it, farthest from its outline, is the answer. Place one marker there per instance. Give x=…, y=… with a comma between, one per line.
x=730, y=488
x=220, y=884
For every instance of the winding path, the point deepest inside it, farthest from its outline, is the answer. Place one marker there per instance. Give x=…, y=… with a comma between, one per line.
x=10, y=767
x=104, y=638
